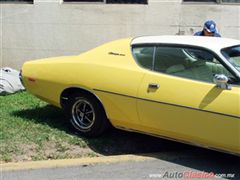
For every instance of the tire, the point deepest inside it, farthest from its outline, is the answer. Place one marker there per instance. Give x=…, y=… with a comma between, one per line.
x=86, y=115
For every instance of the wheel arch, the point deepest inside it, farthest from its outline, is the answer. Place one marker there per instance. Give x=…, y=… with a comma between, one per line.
x=66, y=93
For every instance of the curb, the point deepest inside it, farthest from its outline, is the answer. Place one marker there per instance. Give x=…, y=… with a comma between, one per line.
x=74, y=162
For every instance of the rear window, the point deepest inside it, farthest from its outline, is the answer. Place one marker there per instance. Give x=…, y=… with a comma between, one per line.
x=144, y=56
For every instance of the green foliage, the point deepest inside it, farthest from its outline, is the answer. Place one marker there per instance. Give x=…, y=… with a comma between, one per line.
x=30, y=129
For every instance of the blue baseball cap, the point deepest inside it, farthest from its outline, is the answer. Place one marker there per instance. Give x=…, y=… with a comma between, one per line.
x=210, y=26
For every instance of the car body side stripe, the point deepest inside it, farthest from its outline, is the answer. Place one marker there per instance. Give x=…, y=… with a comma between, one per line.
x=229, y=115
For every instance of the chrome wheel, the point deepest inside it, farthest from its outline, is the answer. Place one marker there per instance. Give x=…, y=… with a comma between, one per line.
x=83, y=114
x=86, y=114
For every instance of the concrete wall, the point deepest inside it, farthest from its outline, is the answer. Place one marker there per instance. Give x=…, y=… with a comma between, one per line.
x=51, y=28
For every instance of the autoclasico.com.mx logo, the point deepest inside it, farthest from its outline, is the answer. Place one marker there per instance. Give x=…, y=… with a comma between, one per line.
x=192, y=175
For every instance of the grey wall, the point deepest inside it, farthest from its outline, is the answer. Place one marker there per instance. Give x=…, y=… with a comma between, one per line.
x=51, y=28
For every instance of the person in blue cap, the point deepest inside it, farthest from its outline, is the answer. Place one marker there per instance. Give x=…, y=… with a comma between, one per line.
x=209, y=29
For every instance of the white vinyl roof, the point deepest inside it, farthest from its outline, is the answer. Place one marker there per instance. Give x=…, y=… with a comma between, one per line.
x=213, y=43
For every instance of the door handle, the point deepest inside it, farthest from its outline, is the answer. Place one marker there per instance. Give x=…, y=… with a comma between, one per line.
x=153, y=86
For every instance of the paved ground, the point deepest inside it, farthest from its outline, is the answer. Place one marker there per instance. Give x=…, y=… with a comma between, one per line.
x=168, y=159
x=152, y=166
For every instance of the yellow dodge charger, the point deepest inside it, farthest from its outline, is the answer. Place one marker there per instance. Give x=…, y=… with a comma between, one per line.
x=183, y=88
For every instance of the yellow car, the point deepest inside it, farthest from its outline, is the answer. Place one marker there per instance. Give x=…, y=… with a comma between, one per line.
x=182, y=88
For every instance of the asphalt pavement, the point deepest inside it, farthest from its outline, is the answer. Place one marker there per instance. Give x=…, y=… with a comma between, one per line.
x=195, y=163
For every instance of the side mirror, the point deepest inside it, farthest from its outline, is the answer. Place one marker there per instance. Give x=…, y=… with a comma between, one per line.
x=221, y=81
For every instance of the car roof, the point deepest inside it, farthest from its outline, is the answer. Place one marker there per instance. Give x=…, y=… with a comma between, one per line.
x=213, y=43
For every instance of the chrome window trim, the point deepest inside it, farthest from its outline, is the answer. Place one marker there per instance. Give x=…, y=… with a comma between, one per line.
x=154, y=57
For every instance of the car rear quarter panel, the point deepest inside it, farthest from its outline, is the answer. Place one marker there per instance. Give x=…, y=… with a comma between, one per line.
x=106, y=71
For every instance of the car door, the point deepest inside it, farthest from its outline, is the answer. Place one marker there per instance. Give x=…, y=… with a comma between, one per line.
x=179, y=100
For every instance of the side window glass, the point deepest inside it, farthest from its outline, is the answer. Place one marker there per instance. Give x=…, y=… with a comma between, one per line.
x=191, y=63
x=144, y=56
